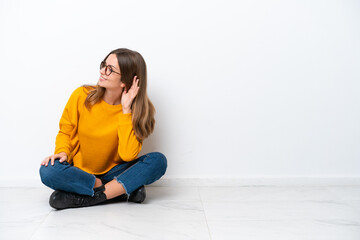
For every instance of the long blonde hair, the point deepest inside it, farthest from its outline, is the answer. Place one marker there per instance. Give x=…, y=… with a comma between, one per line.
x=131, y=63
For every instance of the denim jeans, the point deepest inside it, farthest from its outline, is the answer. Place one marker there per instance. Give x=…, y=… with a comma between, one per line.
x=132, y=175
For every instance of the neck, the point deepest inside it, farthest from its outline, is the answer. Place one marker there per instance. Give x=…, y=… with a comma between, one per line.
x=113, y=97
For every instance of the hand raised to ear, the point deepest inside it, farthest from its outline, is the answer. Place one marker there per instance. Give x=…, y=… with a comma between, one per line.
x=127, y=97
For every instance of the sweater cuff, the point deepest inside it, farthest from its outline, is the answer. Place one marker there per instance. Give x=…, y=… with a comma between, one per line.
x=62, y=150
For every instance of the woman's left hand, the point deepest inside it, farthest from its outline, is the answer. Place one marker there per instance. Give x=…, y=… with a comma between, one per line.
x=128, y=97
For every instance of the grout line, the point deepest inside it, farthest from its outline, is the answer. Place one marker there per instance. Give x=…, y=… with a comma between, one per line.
x=42, y=222
x=198, y=188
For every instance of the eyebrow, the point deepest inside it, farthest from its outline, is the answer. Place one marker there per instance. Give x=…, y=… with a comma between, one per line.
x=110, y=65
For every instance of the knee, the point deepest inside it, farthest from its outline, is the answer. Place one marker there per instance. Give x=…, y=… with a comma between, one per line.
x=46, y=174
x=158, y=160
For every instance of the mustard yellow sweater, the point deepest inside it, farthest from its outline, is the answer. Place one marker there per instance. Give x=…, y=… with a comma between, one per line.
x=96, y=140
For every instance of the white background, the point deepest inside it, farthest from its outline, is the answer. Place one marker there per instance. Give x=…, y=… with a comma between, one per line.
x=241, y=88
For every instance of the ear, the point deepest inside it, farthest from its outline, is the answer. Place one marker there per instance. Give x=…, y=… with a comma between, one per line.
x=122, y=85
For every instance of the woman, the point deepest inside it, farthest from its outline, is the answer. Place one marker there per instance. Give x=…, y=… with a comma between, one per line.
x=101, y=133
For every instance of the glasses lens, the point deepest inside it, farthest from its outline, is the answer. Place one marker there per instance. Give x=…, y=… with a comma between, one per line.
x=102, y=64
x=108, y=70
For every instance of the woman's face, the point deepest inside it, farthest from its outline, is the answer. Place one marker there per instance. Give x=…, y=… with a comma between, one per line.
x=113, y=80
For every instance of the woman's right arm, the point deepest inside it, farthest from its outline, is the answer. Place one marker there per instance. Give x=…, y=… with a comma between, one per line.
x=68, y=127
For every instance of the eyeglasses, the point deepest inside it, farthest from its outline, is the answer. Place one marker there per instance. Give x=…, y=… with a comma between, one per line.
x=108, y=69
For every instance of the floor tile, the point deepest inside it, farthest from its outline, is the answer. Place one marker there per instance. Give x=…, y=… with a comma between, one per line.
x=346, y=192
x=22, y=210
x=116, y=222
x=16, y=230
x=172, y=193
x=266, y=193
x=284, y=230
x=280, y=210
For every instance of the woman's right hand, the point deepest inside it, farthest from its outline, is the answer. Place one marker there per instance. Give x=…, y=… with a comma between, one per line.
x=63, y=157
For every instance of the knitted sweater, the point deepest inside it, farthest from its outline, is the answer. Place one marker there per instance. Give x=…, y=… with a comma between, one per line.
x=96, y=140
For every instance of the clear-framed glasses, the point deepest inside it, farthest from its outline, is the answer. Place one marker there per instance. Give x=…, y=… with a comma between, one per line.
x=108, y=69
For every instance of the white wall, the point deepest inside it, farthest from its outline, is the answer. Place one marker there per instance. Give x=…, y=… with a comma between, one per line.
x=242, y=88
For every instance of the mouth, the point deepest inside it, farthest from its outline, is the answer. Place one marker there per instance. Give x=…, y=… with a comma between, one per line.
x=101, y=79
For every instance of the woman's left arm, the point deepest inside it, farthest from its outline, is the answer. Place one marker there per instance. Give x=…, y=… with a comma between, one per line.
x=129, y=147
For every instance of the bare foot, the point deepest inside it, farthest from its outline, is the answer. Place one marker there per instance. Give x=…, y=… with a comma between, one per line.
x=98, y=183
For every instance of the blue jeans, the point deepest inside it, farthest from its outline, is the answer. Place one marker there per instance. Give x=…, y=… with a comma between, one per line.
x=132, y=175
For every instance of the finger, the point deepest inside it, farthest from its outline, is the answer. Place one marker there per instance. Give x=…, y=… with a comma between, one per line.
x=53, y=160
x=47, y=161
x=132, y=84
x=136, y=81
x=136, y=91
x=135, y=87
x=62, y=159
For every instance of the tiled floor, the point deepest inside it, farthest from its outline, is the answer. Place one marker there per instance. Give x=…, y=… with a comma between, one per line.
x=218, y=213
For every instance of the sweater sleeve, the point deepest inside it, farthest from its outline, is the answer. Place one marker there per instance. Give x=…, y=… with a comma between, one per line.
x=129, y=147
x=66, y=137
